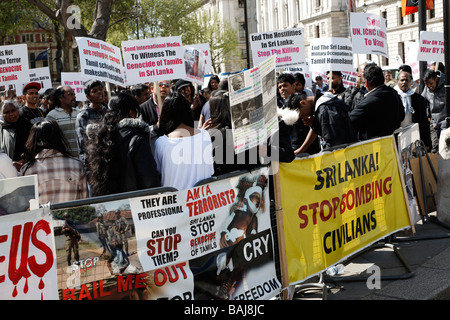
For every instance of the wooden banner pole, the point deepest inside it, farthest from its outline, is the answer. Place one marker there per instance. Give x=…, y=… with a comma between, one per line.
x=280, y=230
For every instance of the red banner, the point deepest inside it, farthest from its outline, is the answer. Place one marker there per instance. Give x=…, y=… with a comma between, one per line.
x=411, y=6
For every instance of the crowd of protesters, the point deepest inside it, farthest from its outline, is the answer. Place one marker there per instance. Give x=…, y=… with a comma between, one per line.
x=167, y=134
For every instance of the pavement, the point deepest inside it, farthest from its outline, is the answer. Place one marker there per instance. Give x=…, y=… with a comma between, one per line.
x=404, y=267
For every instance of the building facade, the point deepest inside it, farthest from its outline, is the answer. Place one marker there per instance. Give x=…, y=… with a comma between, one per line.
x=331, y=18
x=43, y=51
x=233, y=12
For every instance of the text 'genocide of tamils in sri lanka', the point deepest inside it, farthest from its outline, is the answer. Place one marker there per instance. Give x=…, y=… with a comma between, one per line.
x=160, y=66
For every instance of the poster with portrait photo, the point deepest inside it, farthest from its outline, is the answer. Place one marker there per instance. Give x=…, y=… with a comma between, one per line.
x=253, y=105
x=194, y=62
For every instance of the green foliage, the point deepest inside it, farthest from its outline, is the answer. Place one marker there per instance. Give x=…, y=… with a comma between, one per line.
x=153, y=18
x=82, y=215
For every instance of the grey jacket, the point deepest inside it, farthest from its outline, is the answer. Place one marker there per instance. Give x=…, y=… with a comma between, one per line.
x=436, y=99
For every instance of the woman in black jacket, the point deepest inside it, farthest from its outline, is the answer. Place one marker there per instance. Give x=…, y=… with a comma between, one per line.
x=14, y=130
x=119, y=154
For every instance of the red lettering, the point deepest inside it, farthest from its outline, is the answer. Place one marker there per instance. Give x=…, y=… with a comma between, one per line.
x=41, y=269
x=3, y=238
x=313, y=207
x=140, y=281
x=84, y=293
x=14, y=273
x=124, y=285
x=68, y=294
x=387, y=188
x=190, y=204
x=322, y=210
x=303, y=216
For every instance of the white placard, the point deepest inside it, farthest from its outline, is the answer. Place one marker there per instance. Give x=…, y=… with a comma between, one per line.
x=27, y=247
x=40, y=75
x=157, y=59
x=368, y=33
x=14, y=64
x=303, y=69
x=288, y=45
x=76, y=81
x=431, y=46
x=194, y=62
x=100, y=60
x=411, y=53
x=205, y=48
x=331, y=54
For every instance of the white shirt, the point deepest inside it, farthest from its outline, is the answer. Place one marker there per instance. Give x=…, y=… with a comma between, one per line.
x=7, y=170
x=183, y=162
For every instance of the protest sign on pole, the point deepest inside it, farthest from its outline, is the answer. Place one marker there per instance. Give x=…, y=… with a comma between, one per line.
x=100, y=60
x=28, y=264
x=194, y=62
x=331, y=54
x=431, y=46
x=349, y=78
x=338, y=203
x=75, y=80
x=368, y=34
x=205, y=48
x=253, y=105
x=302, y=68
x=14, y=64
x=287, y=45
x=39, y=75
x=411, y=54
x=149, y=60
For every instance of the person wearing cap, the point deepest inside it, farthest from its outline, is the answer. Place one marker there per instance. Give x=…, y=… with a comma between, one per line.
x=187, y=90
x=31, y=111
x=14, y=130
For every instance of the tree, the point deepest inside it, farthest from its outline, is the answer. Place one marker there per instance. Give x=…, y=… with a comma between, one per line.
x=11, y=20
x=220, y=35
x=184, y=18
x=116, y=21
x=65, y=13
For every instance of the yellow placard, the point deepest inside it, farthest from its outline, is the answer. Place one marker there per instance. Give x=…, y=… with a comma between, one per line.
x=338, y=203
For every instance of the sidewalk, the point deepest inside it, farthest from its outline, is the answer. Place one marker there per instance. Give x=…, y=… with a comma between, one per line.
x=424, y=275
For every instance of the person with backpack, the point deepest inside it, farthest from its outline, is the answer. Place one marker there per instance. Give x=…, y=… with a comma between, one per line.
x=328, y=118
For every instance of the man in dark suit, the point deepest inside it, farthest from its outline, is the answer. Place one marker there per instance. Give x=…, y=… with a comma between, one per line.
x=150, y=109
x=415, y=106
x=381, y=111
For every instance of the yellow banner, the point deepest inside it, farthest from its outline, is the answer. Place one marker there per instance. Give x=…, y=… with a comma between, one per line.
x=338, y=203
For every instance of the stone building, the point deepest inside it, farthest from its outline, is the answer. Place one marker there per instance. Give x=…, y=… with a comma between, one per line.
x=330, y=18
